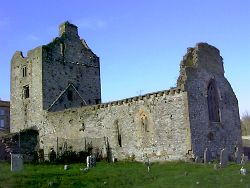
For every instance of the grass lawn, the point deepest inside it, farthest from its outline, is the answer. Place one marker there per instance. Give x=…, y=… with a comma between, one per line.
x=125, y=174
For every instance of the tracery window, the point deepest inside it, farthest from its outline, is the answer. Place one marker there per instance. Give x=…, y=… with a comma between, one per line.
x=213, y=102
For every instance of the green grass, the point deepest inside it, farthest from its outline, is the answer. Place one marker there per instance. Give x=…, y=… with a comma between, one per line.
x=125, y=174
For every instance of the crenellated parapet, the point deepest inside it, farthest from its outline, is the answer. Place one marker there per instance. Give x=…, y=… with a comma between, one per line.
x=159, y=94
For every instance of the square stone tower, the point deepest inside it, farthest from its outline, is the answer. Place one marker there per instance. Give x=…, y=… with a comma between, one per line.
x=62, y=74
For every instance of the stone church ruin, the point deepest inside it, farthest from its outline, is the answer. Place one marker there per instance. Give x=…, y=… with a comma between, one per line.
x=56, y=90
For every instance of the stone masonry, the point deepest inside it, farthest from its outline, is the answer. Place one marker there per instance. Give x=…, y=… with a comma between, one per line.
x=4, y=125
x=56, y=90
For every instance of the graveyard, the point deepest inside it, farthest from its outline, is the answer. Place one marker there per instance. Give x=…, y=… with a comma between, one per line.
x=125, y=174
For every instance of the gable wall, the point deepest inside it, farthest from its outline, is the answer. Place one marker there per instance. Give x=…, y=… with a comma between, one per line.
x=200, y=65
x=67, y=60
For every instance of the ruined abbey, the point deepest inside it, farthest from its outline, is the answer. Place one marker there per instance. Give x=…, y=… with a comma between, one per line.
x=56, y=90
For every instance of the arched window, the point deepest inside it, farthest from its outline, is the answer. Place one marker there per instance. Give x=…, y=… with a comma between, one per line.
x=213, y=102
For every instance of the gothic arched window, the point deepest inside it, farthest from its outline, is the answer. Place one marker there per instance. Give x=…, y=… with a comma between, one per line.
x=213, y=102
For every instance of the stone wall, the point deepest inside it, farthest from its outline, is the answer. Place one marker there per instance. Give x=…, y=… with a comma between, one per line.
x=68, y=60
x=199, y=66
x=63, y=80
x=52, y=72
x=26, y=106
x=4, y=126
x=24, y=142
x=155, y=125
x=4, y=117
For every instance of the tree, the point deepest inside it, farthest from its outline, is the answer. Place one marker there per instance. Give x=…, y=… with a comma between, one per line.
x=245, y=124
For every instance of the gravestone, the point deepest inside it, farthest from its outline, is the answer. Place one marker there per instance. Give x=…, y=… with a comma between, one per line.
x=237, y=155
x=244, y=159
x=88, y=162
x=16, y=162
x=207, y=156
x=223, y=158
x=243, y=171
x=66, y=167
x=91, y=161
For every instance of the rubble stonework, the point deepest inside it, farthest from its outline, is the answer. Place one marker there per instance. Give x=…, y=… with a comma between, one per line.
x=64, y=102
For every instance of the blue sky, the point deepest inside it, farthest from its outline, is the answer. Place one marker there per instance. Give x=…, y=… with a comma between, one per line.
x=140, y=43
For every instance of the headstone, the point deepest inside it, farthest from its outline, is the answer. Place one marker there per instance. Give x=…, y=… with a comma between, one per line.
x=242, y=160
x=88, y=162
x=16, y=162
x=246, y=158
x=207, y=156
x=223, y=158
x=237, y=155
x=66, y=167
x=91, y=161
x=243, y=171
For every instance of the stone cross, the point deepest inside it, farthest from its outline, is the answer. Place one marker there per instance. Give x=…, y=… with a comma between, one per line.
x=223, y=158
x=16, y=162
x=207, y=156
